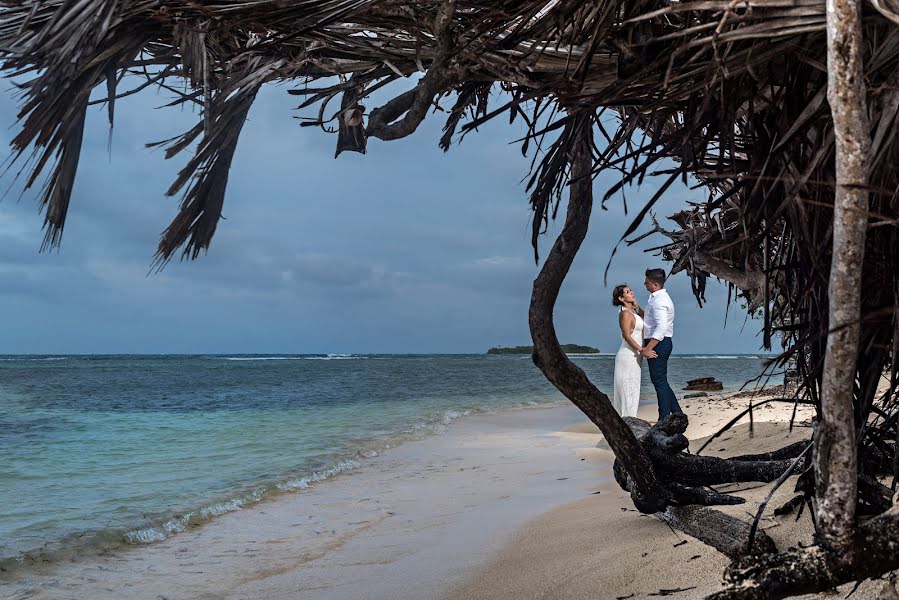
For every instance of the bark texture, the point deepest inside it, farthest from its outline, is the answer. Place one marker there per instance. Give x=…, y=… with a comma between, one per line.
x=873, y=549
x=835, y=446
x=723, y=532
x=686, y=475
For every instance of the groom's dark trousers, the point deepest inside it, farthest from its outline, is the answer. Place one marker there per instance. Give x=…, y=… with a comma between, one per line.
x=658, y=374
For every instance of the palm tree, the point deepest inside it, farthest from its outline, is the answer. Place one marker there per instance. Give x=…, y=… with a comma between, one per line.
x=784, y=111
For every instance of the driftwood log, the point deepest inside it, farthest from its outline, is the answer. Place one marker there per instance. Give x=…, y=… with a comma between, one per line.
x=725, y=533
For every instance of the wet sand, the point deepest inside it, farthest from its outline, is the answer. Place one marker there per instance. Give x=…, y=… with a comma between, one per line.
x=408, y=524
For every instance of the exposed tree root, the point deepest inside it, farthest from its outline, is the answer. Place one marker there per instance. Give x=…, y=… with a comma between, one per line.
x=723, y=532
x=686, y=478
x=665, y=442
x=785, y=453
x=816, y=569
x=759, y=572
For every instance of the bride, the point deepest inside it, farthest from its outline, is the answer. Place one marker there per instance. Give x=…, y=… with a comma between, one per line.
x=628, y=361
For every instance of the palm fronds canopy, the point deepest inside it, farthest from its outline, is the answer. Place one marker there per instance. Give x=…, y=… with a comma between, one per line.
x=732, y=92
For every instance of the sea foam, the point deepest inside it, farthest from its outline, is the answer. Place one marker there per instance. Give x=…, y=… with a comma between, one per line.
x=178, y=523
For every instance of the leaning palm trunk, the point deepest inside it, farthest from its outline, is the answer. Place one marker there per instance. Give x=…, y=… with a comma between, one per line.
x=649, y=461
x=646, y=491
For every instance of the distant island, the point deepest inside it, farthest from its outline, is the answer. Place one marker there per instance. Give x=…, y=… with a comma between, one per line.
x=566, y=348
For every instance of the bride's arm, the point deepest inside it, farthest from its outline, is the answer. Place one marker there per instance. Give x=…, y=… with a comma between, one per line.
x=626, y=322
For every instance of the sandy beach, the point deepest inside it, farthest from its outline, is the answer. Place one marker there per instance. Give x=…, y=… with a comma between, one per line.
x=518, y=504
x=600, y=547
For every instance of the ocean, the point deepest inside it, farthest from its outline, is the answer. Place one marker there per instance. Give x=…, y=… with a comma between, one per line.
x=98, y=451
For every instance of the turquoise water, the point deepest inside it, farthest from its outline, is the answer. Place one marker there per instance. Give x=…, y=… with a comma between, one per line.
x=111, y=449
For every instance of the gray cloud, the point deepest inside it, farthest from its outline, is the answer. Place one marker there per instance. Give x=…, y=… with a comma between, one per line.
x=405, y=249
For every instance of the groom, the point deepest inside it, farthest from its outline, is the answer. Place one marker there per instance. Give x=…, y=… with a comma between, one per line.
x=658, y=329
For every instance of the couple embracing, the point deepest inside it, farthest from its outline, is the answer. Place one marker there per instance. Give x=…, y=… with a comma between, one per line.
x=645, y=333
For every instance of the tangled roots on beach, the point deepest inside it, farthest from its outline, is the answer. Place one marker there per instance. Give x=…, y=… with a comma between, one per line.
x=686, y=475
x=874, y=550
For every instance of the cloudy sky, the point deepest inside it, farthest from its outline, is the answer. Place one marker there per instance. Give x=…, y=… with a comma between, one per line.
x=405, y=249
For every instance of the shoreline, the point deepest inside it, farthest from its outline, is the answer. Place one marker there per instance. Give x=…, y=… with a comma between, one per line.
x=123, y=538
x=455, y=482
x=183, y=449
x=500, y=505
x=602, y=543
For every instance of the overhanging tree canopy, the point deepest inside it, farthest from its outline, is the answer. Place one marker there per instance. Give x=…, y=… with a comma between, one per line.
x=735, y=92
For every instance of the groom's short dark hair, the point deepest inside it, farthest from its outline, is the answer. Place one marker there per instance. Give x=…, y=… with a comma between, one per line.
x=656, y=276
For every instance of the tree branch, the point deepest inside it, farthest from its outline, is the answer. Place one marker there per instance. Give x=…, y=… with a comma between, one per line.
x=723, y=532
x=416, y=102
x=647, y=494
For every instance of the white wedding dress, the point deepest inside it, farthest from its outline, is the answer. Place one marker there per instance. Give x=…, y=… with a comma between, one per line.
x=628, y=366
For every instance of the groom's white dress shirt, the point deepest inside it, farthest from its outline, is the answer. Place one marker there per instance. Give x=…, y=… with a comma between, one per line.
x=659, y=316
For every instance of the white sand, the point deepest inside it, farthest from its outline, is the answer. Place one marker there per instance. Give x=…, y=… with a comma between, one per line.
x=600, y=547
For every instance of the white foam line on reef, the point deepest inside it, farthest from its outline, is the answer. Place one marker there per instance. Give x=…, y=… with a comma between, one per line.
x=262, y=358
x=255, y=358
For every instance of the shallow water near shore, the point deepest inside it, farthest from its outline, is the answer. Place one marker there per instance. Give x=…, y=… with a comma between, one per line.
x=102, y=450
